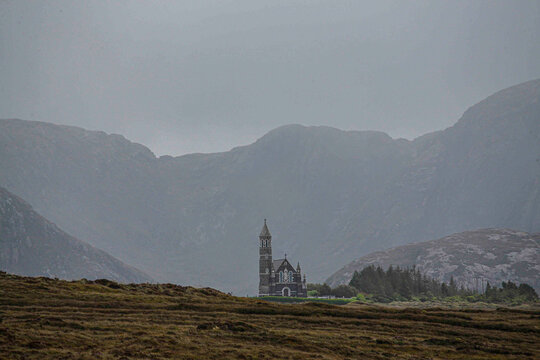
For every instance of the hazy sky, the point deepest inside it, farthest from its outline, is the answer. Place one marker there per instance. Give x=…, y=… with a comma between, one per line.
x=204, y=76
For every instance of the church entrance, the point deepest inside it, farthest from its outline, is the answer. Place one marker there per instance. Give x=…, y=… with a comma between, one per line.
x=286, y=292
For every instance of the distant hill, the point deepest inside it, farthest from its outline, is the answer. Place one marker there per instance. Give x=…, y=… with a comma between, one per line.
x=330, y=196
x=494, y=255
x=31, y=245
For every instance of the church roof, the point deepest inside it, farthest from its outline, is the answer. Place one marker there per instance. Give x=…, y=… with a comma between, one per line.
x=265, y=231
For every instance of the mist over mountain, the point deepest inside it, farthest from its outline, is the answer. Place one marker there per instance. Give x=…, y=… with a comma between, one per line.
x=30, y=245
x=493, y=255
x=330, y=196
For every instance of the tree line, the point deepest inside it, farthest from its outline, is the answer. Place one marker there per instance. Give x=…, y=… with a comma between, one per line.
x=406, y=284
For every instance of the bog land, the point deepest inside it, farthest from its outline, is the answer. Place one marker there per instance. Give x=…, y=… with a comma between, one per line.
x=44, y=318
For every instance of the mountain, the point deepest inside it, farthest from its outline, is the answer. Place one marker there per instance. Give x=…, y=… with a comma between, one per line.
x=494, y=255
x=330, y=196
x=31, y=245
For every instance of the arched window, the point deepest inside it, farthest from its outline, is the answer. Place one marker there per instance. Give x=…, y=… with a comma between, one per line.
x=281, y=276
x=290, y=276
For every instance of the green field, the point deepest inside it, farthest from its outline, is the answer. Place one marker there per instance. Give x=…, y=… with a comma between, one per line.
x=51, y=319
x=296, y=300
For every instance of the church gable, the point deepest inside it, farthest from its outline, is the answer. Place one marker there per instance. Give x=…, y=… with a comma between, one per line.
x=284, y=265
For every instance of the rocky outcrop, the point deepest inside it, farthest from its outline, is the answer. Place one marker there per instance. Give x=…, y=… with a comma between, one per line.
x=471, y=257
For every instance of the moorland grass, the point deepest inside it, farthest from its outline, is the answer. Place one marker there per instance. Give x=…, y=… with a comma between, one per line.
x=43, y=318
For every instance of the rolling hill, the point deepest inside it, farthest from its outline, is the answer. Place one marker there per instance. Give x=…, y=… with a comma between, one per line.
x=494, y=255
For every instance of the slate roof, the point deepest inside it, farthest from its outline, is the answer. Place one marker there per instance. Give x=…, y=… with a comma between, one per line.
x=277, y=263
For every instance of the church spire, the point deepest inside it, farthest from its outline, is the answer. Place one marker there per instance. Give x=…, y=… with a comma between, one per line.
x=265, y=232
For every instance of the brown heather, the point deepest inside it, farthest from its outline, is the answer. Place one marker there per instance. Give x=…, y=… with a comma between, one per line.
x=43, y=318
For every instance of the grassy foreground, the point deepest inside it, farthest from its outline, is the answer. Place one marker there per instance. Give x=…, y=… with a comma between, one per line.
x=51, y=319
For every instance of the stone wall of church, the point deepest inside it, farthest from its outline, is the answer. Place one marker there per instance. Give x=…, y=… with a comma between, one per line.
x=292, y=289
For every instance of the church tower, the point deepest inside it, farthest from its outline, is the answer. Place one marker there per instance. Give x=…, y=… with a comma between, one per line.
x=265, y=260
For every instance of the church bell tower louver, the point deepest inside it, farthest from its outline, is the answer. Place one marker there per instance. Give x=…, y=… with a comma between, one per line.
x=265, y=260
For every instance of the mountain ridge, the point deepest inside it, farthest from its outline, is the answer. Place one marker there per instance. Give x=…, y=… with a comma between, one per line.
x=330, y=195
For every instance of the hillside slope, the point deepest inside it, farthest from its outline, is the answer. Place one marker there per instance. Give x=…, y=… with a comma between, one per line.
x=330, y=196
x=31, y=245
x=494, y=255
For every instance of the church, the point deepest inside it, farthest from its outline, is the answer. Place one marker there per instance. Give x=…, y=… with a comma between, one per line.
x=277, y=277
